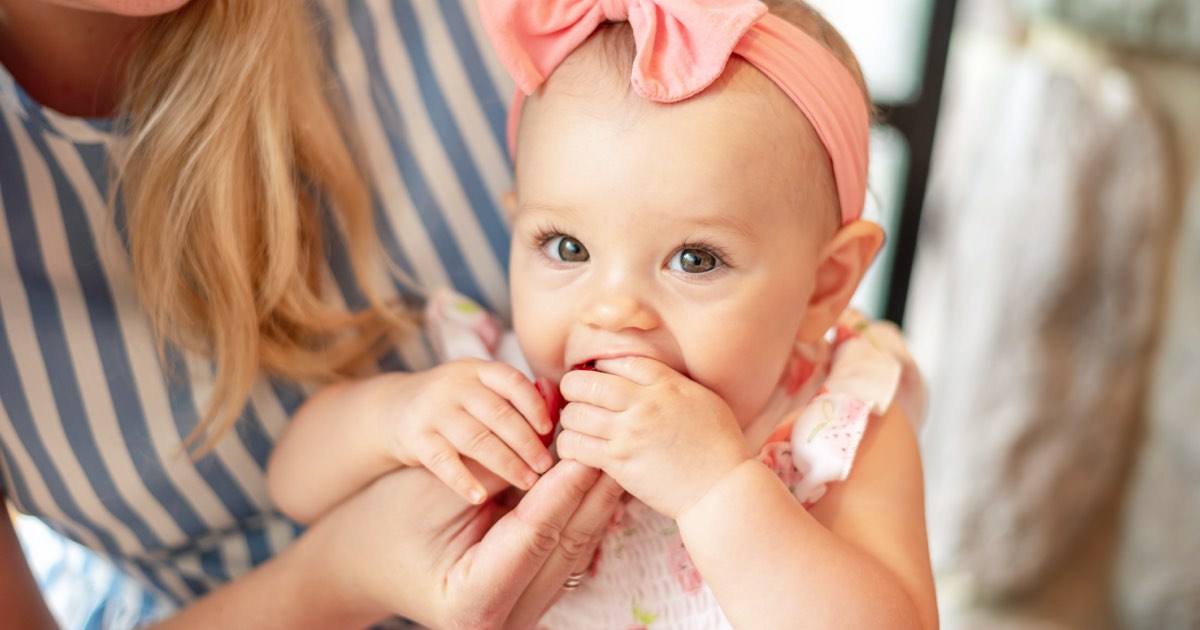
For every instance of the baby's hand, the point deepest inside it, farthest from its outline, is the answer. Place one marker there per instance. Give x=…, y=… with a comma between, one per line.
x=484, y=410
x=665, y=438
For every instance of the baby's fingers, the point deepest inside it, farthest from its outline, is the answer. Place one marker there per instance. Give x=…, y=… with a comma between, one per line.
x=477, y=441
x=511, y=427
x=438, y=455
x=600, y=389
x=511, y=385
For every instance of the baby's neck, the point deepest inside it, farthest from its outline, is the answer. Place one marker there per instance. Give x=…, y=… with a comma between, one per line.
x=767, y=420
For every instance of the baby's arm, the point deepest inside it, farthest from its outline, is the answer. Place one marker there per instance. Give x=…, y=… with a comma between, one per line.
x=857, y=559
x=349, y=434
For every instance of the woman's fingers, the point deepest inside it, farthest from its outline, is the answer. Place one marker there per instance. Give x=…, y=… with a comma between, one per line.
x=573, y=554
x=496, y=571
x=453, y=565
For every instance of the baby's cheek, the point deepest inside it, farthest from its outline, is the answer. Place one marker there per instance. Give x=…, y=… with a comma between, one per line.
x=544, y=362
x=747, y=389
x=533, y=346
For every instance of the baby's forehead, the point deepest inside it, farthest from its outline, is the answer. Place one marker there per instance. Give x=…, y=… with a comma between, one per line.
x=599, y=71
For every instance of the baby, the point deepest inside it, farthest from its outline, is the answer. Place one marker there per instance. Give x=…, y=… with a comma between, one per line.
x=686, y=236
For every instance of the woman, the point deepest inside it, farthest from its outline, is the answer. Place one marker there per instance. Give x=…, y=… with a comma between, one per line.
x=152, y=351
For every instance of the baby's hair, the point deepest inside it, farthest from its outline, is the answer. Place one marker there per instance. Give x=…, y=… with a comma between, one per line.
x=234, y=140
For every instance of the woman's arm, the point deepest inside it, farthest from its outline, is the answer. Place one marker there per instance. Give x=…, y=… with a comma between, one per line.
x=858, y=559
x=408, y=545
x=20, y=599
x=286, y=592
x=447, y=564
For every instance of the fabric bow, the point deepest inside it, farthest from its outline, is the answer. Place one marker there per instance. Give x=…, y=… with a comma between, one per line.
x=682, y=45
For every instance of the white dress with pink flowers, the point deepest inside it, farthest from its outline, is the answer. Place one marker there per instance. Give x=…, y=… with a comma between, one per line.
x=642, y=576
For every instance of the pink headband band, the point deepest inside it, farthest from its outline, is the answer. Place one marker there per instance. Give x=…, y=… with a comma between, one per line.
x=682, y=47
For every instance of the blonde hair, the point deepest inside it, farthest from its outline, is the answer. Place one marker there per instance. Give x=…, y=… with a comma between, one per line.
x=233, y=144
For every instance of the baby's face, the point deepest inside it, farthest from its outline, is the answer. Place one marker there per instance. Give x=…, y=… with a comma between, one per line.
x=687, y=233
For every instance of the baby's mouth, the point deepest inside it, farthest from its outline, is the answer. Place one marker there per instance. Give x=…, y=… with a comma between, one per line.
x=590, y=366
x=553, y=398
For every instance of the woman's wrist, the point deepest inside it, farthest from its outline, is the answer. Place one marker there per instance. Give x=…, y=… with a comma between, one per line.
x=292, y=590
x=319, y=595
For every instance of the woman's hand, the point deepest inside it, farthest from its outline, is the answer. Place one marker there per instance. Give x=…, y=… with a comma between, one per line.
x=408, y=545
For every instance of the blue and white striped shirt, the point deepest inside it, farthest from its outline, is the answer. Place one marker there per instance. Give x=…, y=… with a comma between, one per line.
x=92, y=419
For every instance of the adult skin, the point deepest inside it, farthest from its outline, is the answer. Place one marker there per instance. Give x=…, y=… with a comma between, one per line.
x=451, y=566
x=69, y=55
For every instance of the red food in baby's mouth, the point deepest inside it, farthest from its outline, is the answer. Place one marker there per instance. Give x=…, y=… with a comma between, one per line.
x=554, y=399
x=554, y=404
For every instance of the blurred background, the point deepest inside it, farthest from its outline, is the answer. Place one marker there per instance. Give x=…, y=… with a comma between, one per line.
x=1037, y=168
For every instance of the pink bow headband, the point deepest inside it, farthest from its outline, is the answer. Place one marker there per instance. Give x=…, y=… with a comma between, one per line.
x=682, y=47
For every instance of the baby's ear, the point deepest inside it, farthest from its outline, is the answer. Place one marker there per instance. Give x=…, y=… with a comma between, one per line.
x=841, y=265
x=508, y=201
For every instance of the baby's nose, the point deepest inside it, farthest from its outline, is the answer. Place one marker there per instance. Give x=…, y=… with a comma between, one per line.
x=620, y=311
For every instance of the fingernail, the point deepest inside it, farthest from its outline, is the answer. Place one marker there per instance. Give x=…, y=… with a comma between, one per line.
x=529, y=478
x=478, y=496
x=544, y=462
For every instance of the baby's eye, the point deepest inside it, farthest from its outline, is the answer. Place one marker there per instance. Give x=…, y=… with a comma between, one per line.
x=693, y=260
x=566, y=249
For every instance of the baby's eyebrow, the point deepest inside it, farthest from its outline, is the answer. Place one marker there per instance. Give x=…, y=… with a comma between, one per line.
x=721, y=219
x=534, y=206
x=725, y=221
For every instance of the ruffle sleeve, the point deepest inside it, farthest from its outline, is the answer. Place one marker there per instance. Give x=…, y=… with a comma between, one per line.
x=458, y=328
x=870, y=369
